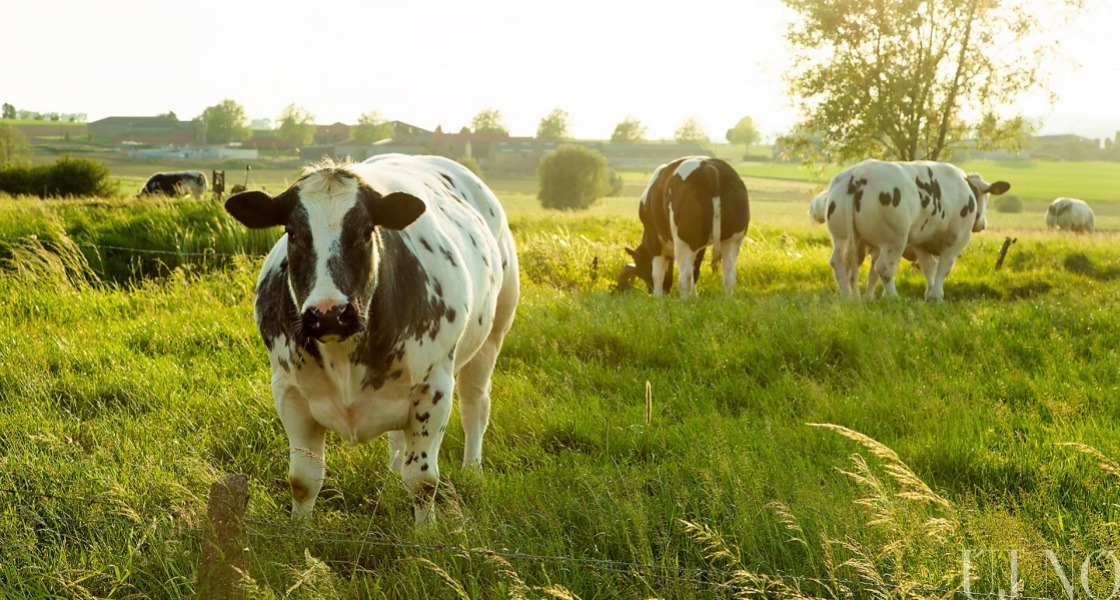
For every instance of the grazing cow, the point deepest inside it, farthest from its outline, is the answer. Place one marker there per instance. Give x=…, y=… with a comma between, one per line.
x=177, y=183
x=888, y=207
x=689, y=204
x=1070, y=214
x=394, y=277
x=817, y=207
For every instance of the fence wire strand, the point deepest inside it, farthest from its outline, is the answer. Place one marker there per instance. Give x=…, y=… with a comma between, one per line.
x=704, y=576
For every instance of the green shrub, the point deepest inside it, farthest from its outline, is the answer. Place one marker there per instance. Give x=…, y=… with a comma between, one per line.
x=67, y=176
x=1008, y=204
x=572, y=177
x=471, y=163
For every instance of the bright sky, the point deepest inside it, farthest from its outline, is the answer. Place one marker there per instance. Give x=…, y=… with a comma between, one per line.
x=439, y=62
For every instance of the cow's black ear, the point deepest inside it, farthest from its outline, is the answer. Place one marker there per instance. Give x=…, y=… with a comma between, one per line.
x=393, y=211
x=998, y=188
x=257, y=210
x=632, y=252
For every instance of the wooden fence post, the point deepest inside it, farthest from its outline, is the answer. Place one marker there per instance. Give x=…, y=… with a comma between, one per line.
x=225, y=543
x=1003, y=251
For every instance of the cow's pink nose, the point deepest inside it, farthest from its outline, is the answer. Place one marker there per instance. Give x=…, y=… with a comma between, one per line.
x=327, y=306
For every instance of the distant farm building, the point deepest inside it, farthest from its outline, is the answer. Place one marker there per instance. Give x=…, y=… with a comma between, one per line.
x=155, y=131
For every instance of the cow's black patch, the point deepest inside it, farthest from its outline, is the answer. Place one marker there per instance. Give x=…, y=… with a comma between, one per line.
x=884, y=198
x=399, y=308
x=857, y=199
x=447, y=254
x=423, y=417
x=277, y=314
x=426, y=245
x=896, y=198
x=831, y=207
x=971, y=206
x=436, y=397
x=450, y=316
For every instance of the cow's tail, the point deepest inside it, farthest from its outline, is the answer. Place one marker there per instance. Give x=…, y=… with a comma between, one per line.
x=854, y=194
x=717, y=213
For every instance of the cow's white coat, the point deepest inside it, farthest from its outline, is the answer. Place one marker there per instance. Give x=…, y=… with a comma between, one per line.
x=1070, y=214
x=937, y=230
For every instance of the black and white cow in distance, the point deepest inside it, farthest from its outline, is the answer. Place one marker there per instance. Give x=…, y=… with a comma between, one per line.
x=175, y=183
x=930, y=207
x=1070, y=214
x=395, y=281
x=690, y=203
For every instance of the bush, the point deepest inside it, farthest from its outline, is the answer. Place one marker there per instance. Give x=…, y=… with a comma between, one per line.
x=471, y=164
x=66, y=177
x=1008, y=204
x=572, y=178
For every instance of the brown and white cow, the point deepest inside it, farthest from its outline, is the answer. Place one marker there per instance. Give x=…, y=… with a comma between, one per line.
x=395, y=281
x=889, y=208
x=690, y=203
x=175, y=183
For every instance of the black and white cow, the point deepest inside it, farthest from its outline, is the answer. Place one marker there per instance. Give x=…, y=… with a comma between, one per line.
x=175, y=183
x=395, y=281
x=690, y=203
x=890, y=208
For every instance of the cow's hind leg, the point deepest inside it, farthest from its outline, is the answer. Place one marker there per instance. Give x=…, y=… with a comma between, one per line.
x=729, y=255
x=686, y=260
x=396, y=450
x=886, y=266
x=473, y=380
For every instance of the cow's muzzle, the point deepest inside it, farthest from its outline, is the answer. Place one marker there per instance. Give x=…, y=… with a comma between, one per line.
x=331, y=324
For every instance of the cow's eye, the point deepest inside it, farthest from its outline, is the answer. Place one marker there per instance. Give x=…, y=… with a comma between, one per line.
x=298, y=237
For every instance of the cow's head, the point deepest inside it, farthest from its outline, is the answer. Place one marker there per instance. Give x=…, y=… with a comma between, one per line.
x=981, y=189
x=330, y=218
x=641, y=268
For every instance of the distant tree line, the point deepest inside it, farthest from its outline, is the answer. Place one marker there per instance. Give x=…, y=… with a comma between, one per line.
x=10, y=112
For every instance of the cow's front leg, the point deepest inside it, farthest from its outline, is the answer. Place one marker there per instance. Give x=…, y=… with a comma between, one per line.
x=686, y=260
x=306, y=448
x=660, y=266
x=427, y=422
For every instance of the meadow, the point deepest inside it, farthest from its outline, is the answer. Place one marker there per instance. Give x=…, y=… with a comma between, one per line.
x=132, y=378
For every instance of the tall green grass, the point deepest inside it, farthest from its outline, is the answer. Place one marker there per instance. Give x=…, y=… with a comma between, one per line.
x=122, y=398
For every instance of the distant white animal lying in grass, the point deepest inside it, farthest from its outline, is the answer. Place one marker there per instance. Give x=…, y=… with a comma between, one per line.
x=1070, y=214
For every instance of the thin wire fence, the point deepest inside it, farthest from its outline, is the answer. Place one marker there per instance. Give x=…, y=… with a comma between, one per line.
x=724, y=578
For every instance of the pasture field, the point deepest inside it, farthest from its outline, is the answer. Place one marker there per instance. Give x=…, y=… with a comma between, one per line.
x=132, y=377
x=1033, y=181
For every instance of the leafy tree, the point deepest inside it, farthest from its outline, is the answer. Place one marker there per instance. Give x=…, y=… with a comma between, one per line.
x=9, y=111
x=744, y=132
x=169, y=115
x=372, y=127
x=909, y=79
x=553, y=127
x=297, y=125
x=628, y=130
x=691, y=132
x=226, y=122
x=572, y=177
x=14, y=148
x=489, y=120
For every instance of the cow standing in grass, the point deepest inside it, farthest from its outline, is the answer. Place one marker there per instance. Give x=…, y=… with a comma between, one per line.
x=395, y=281
x=1070, y=214
x=175, y=183
x=888, y=207
x=690, y=203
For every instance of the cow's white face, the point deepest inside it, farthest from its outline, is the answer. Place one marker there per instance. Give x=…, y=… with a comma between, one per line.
x=330, y=218
x=981, y=189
